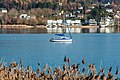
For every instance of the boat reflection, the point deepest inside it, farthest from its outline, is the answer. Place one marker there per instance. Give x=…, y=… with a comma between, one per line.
x=62, y=42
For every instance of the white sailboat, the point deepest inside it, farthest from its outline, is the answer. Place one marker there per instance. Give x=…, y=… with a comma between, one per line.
x=62, y=37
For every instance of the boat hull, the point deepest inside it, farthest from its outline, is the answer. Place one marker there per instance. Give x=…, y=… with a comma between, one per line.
x=61, y=40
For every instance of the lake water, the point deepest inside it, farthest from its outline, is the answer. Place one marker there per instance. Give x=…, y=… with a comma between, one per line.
x=101, y=49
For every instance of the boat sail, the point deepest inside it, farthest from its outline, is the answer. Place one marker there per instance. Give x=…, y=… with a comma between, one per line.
x=62, y=37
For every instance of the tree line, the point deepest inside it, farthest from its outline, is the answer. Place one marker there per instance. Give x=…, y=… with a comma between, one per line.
x=42, y=10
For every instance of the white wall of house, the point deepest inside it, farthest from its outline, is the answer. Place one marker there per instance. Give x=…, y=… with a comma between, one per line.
x=60, y=22
x=109, y=22
x=92, y=22
x=107, y=4
x=109, y=10
x=102, y=22
x=23, y=16
x=68, y=22
x=4, y=11
x=49, y=21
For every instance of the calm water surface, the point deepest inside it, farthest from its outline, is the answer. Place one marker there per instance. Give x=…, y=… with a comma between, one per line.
x=101, y=49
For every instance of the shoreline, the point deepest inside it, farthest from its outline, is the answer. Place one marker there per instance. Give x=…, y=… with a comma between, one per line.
x=45, y=29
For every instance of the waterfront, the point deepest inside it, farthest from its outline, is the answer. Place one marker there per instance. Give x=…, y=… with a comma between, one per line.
x=101, y=49
x=17, y=29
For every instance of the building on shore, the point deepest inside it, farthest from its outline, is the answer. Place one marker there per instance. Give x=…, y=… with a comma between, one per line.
x=60, y=26
x=117, y=21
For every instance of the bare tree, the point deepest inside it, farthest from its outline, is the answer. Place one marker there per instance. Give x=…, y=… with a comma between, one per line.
x=41, y=21
x=33, y=21
x=13, y=13
x=21, y=21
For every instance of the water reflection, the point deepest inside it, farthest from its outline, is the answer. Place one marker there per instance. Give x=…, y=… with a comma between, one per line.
x=34, y=48
x=26, y=31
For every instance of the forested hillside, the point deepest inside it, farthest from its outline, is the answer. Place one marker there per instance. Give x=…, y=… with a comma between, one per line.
x=52, y=4
x=42, y=10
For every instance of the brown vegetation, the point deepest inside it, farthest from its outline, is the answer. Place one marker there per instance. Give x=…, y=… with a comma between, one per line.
x=17, y=71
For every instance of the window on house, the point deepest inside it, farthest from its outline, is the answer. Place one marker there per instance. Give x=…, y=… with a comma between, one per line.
x=22, y=16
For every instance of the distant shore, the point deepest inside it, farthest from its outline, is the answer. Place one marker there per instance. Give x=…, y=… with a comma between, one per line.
x=45, y=29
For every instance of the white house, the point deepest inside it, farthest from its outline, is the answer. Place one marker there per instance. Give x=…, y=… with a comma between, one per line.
x=80, y=7
x=109, y=21
x=68, y=22
x=92, y=22
x=74, y=22
x=23, y=16
x=59, y=22
x=117, y=19
x=78, y=22
x=54, y=22
x=4, y=11
x=107, y=4
x=109, y=10
x=50, y=23
x=28, y=17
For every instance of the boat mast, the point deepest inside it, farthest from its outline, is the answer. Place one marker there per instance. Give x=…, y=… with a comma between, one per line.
x=65, y=22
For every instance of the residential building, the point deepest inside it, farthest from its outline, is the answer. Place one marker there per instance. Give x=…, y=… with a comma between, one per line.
x=117, y=19
x=102, y=22
x=23, y=16
x=109, y=10
x=109, y=21
x=92, y=22
x=51, y=23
